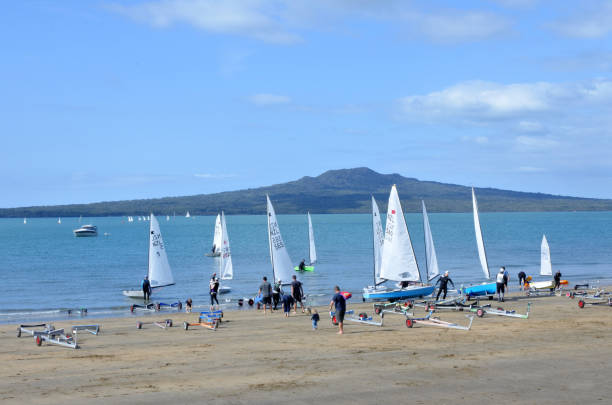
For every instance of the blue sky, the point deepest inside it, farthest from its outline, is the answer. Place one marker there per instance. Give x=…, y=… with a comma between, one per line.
x=107, y=100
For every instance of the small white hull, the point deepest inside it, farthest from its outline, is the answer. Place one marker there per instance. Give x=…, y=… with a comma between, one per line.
x=542, y=285
x=134, y=293
x=210, y=254
x=224, y=290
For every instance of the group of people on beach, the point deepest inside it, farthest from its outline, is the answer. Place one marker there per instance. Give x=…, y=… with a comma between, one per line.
x=271, y=296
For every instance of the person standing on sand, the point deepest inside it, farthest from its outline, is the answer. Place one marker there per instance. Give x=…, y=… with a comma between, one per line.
x=146, y=288
x=287, y=303
x=315, y=319
x=557, y=279
x=506, y=279
x=298, y=293
x=500, y=285
x=522, y=279
x=214, y=289
x=444, y=280
x=265, y=289
x=276, y=293
x=339, y=303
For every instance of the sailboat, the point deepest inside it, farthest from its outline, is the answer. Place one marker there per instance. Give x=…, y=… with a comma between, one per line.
x=226, y=269
x=25, y=220
x=160, y=273
x=130, y=219
x=281, y=262
x=378, y=239
x=545, y=268
x=484, y=288
x=398, y=261
x=217, y=239
x=167, y=217
x=187, y=215
x=312, y=252
x=59, y=220
x=431, y=260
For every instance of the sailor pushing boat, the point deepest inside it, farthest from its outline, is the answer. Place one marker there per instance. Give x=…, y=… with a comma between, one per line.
x=443, y=281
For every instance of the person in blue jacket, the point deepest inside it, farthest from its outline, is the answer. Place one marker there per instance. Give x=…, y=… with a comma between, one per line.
x=146, y=288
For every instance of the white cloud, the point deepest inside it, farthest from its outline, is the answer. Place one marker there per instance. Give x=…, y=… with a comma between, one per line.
x=265, y=99
x=279, y=21
x=481, y=140
x=485, y=101
x=213, y=176
x=534, y=142
x=595, y=22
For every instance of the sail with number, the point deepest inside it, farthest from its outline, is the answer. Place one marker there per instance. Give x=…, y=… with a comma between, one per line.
x=281, y=262
x=398, y=259
x=160, y=273
x=545, y=262
x=379, y=239
x=430, y=250
x=227, y=270
x=218, y=238
x=482, y=254
x=311, y=243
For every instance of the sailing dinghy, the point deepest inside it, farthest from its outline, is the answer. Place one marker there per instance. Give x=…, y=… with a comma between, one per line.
x=226, y=269
x=378, y=239
x=398, y=262
x=281, y=262
x=484, y=288
x=215, y=251
x=312, y=253
x=545, y=268
x=431, y=260
x=160, y=273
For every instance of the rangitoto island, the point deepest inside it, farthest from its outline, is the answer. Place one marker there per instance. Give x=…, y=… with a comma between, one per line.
x=333, y=192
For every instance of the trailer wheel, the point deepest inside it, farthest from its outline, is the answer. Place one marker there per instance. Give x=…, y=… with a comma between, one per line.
x=185, y=325
x=251, y=302
x=377, y=310
x=132, y=308
x=139, y=325
x=169, y=323
x=581, y=304
x=500, y=309
x=480, y=312
x=216, y=324
x=38, y=340
x=409, y=323
x=19, y=331
x=334, y=320
x=490, y=298
x=157, y=307
x=363, y=315
x=432, y=307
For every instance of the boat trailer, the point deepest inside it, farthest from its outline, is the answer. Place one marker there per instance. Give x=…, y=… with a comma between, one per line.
x=429, y=320
x=207, y=319
x=362, y=318
x=156, y=307
x=582, y=303
x=49, y=334
x=166, y=323
x=481, y=311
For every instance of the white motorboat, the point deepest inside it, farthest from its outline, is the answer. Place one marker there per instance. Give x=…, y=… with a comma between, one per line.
x=86, y=230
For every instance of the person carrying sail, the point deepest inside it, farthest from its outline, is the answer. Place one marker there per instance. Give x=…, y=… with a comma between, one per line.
x=500, y=283
x=214, y=289
x=443, y=281
x=146, y=288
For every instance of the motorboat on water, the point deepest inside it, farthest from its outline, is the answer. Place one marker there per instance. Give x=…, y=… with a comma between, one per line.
x=86, y=230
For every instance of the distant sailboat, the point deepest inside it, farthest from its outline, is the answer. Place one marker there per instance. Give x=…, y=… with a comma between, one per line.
x=160, y=273
x=226, y=269
x=25, y=220
x=430, y=251
x=312, y=253
x=217, y=239
x=187, y=215
x=59, y=220
x=167, y=217
x=485, y=288
x=281, y=262
x=378, y=239
x=130, y=219
x=398, y=259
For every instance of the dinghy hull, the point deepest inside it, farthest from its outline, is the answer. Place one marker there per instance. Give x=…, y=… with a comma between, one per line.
x=480, y=290
x=387, y=294
x=306, y=268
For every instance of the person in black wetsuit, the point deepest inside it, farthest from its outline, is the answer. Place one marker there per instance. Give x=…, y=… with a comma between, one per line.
x=443, y=281
x=302, y=266
x=522, y=279
x=277, y=291
x=214, y=289
x=557, y=278
x=146, y=288
x=298, y=293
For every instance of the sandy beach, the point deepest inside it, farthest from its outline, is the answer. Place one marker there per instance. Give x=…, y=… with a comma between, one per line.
x=560, y=355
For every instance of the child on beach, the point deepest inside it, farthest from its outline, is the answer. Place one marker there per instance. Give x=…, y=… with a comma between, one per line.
x=287, y=302
x=315, y=319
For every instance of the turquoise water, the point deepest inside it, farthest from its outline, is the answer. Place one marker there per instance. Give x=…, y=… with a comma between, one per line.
x=45, y=268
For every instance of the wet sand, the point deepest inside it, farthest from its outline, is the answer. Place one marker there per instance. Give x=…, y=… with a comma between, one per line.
x=560, y=355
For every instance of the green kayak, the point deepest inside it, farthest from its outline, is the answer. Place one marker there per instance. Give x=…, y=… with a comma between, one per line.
x=306, y=268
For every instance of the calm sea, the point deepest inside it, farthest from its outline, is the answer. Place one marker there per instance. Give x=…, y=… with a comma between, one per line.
x=46, y=269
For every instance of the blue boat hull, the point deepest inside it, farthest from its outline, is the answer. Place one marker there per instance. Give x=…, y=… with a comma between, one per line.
x=397, y=294
x=480, y=290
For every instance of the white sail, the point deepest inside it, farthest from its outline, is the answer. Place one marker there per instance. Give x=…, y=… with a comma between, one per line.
x=398, y=260
x=167, y=217
x=482, y=254
x=217, y=238
x=281, y=262
x=25, y=220
x=160, y=273
x=312, y=251
x=187, y=215
x=379, y=239
x=59, y=220
x=430, y=250
x=227, y=270
x=545, y=262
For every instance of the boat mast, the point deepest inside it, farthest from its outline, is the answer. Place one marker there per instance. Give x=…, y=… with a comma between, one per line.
x=270, y=240
x=308, y=229
x=373, y=244
x=425, y=240
x=412, y=247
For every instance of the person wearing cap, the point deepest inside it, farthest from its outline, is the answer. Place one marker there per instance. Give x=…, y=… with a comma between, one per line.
x=500, y=283
x=214, y=289
x=443, y=281
x=146, y=288
x=276, y=293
